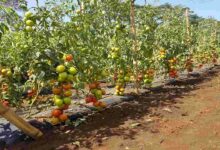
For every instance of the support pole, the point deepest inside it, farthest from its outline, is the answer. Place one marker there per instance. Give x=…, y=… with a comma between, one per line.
x=188, y=39
x=135, y=51
x=20, y=123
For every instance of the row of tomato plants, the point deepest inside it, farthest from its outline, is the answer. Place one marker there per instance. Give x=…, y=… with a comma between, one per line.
x=65, y=48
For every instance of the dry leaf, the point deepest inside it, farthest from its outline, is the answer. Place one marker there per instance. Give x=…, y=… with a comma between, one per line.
x=77, y=143
x=135, y=125
x=167, y=109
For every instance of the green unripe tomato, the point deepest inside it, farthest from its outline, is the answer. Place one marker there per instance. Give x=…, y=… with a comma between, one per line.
x=60, y=68
x=29, y=29
x=126, y=78
x=63, y=75
x=29, y=23
x=72, y=70
x=28, y=14
x=58, y=102
x=67, y=100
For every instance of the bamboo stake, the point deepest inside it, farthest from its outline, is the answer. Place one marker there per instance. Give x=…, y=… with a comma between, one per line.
x=187, y=22
x=215, y=31
x=188, y=29
x=13, y=118
x=133, y=33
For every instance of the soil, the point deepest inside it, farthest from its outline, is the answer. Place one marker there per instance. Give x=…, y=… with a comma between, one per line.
x=183, y=115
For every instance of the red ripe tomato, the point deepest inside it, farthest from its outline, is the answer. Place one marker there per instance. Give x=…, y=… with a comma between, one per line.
x=69, y=57
x=173, y=74
x=57, y=112
x=90, y=99
x=5, y=103
x=63, y=117
x=94, y=99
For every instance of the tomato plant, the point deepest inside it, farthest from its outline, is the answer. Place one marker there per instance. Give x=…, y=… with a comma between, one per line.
x=65, y=45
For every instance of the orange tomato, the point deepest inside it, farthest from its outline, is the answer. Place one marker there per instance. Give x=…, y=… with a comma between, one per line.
x=96, y=104
x=63, y=117
x=69, y=57
x=57, y=90
x=67, y=86
x=102, y=104
x=56, y=112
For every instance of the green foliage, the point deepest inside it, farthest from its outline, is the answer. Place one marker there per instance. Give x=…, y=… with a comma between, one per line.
x=97, y=34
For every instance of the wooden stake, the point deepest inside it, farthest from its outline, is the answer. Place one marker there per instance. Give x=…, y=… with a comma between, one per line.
x=133, y=34
x=215, y=31
x=188, y=29
x=187, y=22
x=13, y=118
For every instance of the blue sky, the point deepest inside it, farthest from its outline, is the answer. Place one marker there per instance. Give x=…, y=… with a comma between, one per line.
x=204, y=8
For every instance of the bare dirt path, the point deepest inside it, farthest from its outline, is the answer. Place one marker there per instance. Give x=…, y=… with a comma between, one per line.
x=182, y=116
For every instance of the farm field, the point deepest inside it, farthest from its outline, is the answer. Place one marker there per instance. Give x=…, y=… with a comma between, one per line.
x=181, y=115
x=108, y=75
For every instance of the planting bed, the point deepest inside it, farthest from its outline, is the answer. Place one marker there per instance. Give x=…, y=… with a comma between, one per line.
x=120, y=108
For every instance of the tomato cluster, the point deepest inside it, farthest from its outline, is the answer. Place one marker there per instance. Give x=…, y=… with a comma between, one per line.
x=95, y=94
x=6, y=72
x=173, y=73
x=63, y=89
x=121, y=79
x=5, y=75
x=148, y=77
x=29, y=21
x=58, y=116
